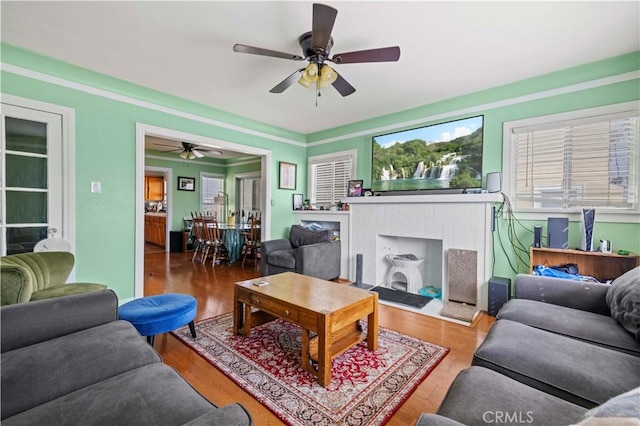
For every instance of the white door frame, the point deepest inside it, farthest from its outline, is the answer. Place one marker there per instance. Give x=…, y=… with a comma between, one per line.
x=68, y=175
x=143, y=130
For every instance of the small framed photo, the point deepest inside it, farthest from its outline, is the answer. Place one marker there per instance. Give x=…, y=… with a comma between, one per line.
x=297, y=201
x=355, y=188
x=186, y=183
x=287, y=175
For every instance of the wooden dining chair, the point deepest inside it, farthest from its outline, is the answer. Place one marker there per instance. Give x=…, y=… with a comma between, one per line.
x=199, y=240
x=213, y=241
x=251, y=244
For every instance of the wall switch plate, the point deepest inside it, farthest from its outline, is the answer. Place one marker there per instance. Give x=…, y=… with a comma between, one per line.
x=96, y=187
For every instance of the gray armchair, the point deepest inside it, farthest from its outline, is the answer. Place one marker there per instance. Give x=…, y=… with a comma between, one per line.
x=306, y=252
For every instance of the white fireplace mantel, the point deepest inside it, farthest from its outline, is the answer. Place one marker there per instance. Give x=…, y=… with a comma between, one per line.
x=420, y=199
x=386, y=224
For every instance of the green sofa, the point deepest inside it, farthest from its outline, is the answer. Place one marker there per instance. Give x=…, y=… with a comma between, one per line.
x=27, y=277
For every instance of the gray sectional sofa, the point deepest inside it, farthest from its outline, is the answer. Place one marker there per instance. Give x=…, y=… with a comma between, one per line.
x=69, y=361
x=561, y=352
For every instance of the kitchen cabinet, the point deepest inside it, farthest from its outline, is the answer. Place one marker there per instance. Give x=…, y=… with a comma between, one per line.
x=155, y=229
x=153, y=188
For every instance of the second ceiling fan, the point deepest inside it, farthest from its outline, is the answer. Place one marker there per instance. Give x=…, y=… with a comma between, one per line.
x=189, y=151
x=316, y=47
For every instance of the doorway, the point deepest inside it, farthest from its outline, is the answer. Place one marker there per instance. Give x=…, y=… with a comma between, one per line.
x=36, y=191
x=144, y=130
x=158, y=213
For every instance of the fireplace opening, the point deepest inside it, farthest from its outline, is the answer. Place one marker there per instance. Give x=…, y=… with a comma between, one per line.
x=409, y=264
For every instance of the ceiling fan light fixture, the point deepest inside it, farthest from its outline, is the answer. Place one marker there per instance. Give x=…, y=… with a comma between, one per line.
x=327, y=76
x=310, y=74
x=191, y=155
x=184, y=155
x=304, y=83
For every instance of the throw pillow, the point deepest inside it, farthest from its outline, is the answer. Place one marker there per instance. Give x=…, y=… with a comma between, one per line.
x=623, y=299
x=301, y=236
x=620, y=410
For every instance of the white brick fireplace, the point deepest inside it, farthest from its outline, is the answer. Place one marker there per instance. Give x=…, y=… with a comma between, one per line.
x=424, y=225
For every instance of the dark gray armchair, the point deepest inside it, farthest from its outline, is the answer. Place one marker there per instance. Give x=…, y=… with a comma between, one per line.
x=306, y=252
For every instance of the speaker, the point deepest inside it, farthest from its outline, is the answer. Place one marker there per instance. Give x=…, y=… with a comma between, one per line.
x=537, y=236
x=499, y=294
x=358, y=270
x=493, y=182
x=175, y=241
x=558, y=232
x=586, y=238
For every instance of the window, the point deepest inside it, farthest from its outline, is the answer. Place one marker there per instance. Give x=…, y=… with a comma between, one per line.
x=570, y=161
x=329, y=176
x=212, y=186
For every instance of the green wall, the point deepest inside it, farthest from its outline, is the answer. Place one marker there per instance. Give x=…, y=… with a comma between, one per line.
x=105, y=145
x=562, y=91
x=105, y=152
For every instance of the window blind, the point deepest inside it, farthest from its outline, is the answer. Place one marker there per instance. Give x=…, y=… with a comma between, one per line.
x=584, y=163
x=330, y=180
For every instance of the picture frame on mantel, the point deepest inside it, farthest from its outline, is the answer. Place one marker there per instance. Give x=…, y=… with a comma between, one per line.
x=287, y=175
x=186, y=183
x=297, y=201
x=355, y=188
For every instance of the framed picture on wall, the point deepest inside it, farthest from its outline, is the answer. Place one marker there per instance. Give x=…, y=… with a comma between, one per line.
x=186, y=183
x=297, y=201
x=355, y=188
x=287, y=175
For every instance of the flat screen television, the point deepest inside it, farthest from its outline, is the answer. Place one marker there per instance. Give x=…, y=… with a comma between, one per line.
x=443, y=156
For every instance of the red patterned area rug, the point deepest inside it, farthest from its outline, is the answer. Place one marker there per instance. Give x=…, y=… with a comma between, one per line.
x=366, y=387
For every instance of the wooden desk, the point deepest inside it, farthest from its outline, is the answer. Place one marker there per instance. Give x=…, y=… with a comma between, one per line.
x=328, y=309
x=602, y=266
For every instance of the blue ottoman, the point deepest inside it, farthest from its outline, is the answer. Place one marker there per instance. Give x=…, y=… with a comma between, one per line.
x=159, y=314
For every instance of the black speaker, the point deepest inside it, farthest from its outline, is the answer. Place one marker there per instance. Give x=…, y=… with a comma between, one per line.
x=537, y=236
x=175, y=241
x=558, y=232
x=499, y=294
x=358, y=270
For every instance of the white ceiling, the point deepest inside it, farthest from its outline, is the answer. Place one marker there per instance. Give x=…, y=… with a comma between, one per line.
x=448, y=49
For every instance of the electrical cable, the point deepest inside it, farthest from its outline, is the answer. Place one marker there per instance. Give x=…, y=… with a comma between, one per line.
x=520, y=251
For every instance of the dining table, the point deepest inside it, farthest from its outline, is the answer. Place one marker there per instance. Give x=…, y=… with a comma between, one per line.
x=233, y=239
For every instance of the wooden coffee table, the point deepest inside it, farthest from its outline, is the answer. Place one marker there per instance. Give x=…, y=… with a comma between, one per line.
x=326, y=308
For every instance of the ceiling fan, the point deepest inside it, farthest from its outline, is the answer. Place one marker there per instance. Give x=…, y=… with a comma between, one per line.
x=316, y=47
x=189, y=151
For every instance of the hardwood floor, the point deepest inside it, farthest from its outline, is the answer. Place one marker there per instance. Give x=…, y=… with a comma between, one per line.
x=213, y=288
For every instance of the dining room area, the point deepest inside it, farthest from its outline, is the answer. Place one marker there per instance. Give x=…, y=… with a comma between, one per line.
x=232, y=241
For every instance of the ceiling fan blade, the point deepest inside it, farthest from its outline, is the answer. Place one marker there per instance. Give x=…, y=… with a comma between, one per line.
x=342, y=86
x=197, y=153
x=323, y=19
x=164, y=144
x=284, y=84
x=383, y=54
x=241, y=48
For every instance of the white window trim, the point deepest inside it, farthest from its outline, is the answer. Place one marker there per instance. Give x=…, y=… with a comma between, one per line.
x=334, y=156
x=508, y=154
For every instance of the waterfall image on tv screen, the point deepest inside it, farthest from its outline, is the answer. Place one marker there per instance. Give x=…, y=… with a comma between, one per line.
x=439, y=156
